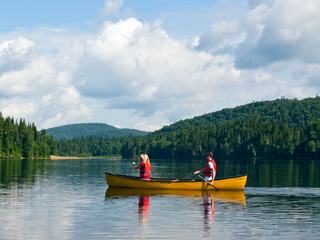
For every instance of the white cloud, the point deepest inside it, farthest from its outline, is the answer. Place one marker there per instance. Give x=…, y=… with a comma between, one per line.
x=22, y=71
x=18, y=107
x=134, y=74
x=12, y=49
x=222, y=35
x=281, y=31
x=111, y=8
x=15, y=54
x=138, y=66
x=33, y=87
x=147, y=127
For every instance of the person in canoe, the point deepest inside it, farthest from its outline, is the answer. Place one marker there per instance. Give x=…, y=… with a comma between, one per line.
x=210, y=169
x=144, y=166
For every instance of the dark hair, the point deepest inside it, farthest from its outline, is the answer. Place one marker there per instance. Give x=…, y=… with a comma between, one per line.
x=209, y=154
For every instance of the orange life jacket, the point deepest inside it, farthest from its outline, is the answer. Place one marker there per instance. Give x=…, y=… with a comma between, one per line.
x=207, y=170
x=146, y=170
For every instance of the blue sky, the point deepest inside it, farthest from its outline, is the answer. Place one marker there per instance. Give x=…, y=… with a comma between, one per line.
x=145, y=64
x=180, y=15
x=29, y=14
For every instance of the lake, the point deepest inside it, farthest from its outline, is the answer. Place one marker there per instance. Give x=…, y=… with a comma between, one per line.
x=70, y=199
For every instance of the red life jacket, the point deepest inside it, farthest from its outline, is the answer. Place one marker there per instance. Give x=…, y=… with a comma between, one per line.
x=145, y=171
x=207, y=170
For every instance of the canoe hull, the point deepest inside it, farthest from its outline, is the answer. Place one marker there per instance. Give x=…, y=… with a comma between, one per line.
x=231, y=183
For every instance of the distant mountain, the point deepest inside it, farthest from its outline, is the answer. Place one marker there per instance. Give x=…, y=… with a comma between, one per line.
x=72, y=131
x=297, y=113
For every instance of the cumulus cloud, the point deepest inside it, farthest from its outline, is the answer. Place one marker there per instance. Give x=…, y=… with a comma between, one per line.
x=280, y=31
x=15, y=53
x=275, y=47
x=138, y=66
x=22, y=72
x=222, y=36
x=110, y=8
x=33, y=87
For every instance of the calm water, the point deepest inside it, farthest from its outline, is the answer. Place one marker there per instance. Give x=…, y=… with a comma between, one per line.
x=69, y=199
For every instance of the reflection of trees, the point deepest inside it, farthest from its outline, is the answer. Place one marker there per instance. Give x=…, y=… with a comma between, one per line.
x=20, y=171
x=273, y=173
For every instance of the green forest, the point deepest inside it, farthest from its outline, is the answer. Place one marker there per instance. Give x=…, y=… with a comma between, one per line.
x=21, y=140
x=281, y=128
x=276, y=129
x=235, y=139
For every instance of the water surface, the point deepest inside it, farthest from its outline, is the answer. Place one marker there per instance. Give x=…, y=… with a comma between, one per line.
x=69, y=199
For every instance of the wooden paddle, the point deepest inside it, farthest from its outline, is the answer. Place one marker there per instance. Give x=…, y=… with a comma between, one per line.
x=207, y=181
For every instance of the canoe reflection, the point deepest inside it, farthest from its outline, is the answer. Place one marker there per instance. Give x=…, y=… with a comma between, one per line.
x=223, y=196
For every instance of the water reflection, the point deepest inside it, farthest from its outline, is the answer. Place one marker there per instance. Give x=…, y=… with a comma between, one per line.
x=223, y=196
x=208, y=207
x=206, y=199
x=273, y=173
x=143, y=210
x=70, y=194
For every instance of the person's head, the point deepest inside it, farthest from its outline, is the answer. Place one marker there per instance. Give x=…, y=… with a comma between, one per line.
x=209, y=155
x=144, y=157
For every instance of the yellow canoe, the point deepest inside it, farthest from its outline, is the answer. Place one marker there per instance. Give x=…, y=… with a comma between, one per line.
x=229, y=183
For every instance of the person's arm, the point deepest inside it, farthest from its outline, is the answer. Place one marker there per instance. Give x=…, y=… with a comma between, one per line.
x=135, y=166
x=199, y=171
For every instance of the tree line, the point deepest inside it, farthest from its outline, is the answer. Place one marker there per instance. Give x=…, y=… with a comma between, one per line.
x=272, y=129
x=90, y=146
x=234, y=139
x=281, y=128
x=21, y=140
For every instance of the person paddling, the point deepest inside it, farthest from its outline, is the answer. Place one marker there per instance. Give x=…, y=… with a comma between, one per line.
x=210, y=169
x=144, y=166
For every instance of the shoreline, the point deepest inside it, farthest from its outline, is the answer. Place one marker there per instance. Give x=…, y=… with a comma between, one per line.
x=52, y=157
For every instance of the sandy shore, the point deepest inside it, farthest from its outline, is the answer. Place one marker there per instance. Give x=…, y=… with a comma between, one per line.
x=61, y=158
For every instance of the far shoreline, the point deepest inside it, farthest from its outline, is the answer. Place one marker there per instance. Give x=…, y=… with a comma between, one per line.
x=52, y=157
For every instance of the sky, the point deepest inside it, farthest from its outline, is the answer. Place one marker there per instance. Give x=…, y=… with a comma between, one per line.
x=146, y=64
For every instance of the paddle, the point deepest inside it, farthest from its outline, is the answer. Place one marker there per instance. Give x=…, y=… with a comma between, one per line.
x=207, y=181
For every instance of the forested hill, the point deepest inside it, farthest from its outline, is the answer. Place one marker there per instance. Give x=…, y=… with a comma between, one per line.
x=278, y=129
x=295, y=113
x=72, y=131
